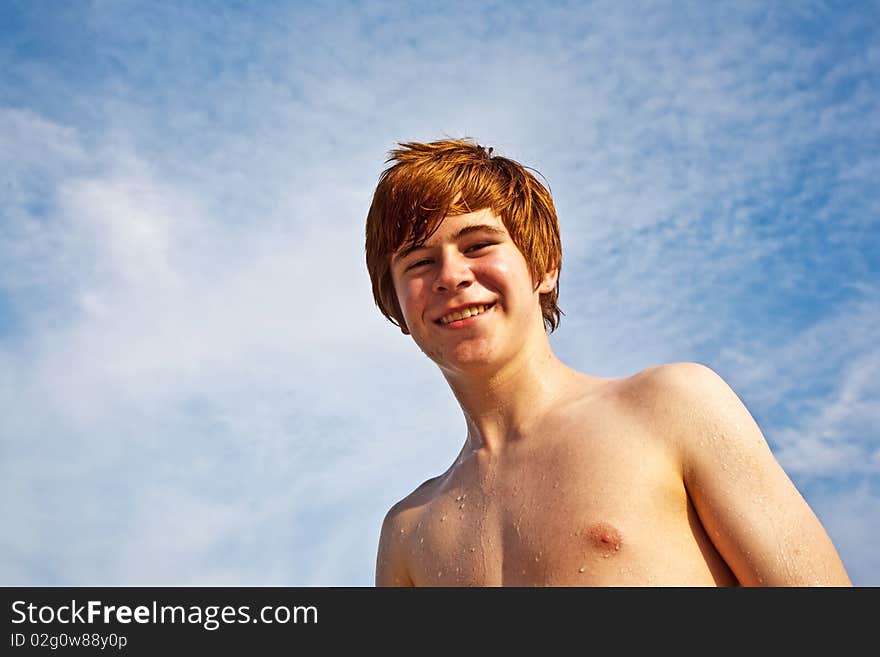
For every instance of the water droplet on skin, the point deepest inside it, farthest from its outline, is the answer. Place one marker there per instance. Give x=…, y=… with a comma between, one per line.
x=401, y=531
x=473, y=549
x=442, y=518
x=422, y=539
x=458, y=499
x=440, y=574
x=581, y=569
x=461, y=506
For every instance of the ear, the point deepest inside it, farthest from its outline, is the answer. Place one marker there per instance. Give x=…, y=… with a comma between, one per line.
x=548, y=281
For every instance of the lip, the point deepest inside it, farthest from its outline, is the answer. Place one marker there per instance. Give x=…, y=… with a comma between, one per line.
x=463, y=323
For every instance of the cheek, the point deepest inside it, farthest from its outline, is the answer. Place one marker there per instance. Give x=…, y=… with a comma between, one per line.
x=410, y=294
x=506, y=272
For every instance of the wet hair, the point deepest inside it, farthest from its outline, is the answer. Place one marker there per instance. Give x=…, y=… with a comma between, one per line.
x=425, y=182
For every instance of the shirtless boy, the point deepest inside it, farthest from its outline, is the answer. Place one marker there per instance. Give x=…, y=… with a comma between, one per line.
x=564, y=479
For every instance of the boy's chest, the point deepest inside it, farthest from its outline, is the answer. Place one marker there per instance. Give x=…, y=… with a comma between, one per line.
x=561, y=521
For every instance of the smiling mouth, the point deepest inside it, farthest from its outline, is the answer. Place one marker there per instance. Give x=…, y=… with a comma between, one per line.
x=472, y=311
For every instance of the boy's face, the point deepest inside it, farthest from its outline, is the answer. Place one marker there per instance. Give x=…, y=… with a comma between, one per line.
x=469, y=261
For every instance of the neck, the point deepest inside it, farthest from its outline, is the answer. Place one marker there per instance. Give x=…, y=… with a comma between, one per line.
x=502, y=405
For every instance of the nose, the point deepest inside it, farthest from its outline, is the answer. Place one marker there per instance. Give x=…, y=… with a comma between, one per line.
x=454, y=273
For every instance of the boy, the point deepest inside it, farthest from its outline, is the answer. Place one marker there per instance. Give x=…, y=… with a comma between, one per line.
x=564, y=479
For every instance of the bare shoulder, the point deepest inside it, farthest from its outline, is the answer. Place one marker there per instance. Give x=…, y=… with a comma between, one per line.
x=682, y=395
x=757, y=518
x=391, y=566
x=669, y=379
x=698, y=417
x=702, y=416
x=399, y=513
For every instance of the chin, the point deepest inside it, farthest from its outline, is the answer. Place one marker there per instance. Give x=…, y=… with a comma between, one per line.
x=471, y=359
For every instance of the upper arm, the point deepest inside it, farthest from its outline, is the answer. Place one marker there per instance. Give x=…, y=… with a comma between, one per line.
x=751, y=510
x=391, y=567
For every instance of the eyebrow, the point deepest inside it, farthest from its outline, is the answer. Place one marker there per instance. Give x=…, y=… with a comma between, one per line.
x=467, y=230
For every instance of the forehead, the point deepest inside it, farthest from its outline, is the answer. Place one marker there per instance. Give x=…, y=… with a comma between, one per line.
x=453, y=227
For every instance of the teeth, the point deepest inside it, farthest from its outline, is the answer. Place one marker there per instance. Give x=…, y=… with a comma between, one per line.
x=467, y=312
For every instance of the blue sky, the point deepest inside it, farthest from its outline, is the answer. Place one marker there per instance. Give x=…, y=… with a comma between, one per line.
x=195, y=384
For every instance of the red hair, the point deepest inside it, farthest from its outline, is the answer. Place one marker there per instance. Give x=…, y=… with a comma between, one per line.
x=428, y=181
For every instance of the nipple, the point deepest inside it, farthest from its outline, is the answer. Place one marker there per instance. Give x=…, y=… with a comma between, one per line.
x=604, y=537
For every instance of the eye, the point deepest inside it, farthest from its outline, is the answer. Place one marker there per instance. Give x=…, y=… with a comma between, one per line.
x=418, y=264
x=481, y=245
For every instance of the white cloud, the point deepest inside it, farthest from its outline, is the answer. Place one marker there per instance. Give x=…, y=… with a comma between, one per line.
x=837, y=435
